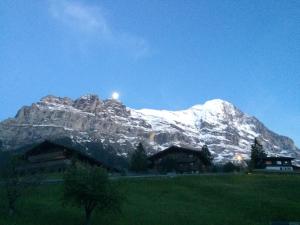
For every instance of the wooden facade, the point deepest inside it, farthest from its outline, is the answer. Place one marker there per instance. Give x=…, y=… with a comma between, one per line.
x=278, y=163
x=177, y=159
x=51, y=157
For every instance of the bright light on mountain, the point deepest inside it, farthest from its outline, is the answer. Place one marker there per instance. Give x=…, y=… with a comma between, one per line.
x=239, y=158
x=115, y=96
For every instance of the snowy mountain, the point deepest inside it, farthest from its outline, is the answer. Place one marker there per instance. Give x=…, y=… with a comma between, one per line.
x=226, y=130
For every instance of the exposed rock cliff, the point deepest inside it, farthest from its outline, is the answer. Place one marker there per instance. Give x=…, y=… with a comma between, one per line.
x=226, y=130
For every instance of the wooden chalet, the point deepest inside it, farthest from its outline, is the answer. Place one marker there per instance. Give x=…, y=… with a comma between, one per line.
x=52, y=157
x=278, y=163
x=177, y=159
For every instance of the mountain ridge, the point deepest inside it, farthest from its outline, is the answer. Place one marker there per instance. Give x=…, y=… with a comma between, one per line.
x=222, y=126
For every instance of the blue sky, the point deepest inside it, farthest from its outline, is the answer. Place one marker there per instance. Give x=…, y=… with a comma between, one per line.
x=157, y=54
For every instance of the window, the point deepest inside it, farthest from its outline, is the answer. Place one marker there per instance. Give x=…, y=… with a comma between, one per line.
x=278, y=162
x=268, y=162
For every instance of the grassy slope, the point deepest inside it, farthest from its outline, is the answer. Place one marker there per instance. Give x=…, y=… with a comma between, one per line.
x=252, y=200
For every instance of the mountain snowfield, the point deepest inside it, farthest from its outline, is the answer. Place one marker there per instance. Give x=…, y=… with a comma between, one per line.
x=217, y=113
x=226, y=130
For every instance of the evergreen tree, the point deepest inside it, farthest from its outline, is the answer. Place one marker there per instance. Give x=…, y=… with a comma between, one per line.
x=1, y=145
x=138, y=161
x=207, y=158
x=257, y=155
x=4, y=159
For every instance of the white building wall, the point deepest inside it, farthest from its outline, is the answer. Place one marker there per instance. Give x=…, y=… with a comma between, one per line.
x=280, y=168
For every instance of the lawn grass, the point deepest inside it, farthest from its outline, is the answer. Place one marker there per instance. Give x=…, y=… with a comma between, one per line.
x=208, y=200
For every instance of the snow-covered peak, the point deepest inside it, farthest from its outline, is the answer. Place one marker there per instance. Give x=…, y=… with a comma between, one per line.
x=212, y=103
x=217, y=101
x=224, y=128
x=218, y=106
x=211, y=111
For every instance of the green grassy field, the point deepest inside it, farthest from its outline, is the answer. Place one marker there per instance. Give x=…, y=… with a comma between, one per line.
x=209, y=200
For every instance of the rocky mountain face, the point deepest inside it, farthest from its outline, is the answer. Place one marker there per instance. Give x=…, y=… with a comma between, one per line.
x=226, y=130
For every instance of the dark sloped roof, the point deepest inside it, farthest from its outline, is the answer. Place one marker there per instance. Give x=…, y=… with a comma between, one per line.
x=174, y=149
x=81, y=154
x=278, y=158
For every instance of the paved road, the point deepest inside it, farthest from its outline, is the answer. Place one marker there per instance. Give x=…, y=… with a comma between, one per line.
x=60, y=180
x=150, y=176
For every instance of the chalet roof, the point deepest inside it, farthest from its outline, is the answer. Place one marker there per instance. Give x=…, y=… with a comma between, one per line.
x=278, y=158
x=174, y=149
x=30, y=149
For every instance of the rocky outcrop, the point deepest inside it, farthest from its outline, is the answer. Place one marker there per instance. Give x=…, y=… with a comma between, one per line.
x=226, y=130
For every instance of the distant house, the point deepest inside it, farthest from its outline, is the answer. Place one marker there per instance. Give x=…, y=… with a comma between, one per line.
x=278, y=163
x=52, y=157
x=177, y=159
x=296, y=168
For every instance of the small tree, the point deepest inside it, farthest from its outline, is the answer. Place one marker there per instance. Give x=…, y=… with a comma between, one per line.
x=5, y=157
x=16, y=183
x=138, y=161
x=257, y=155
x=89, y=187
x=207, y=158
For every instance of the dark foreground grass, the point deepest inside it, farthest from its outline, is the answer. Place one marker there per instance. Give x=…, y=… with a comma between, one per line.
x=209, y=200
